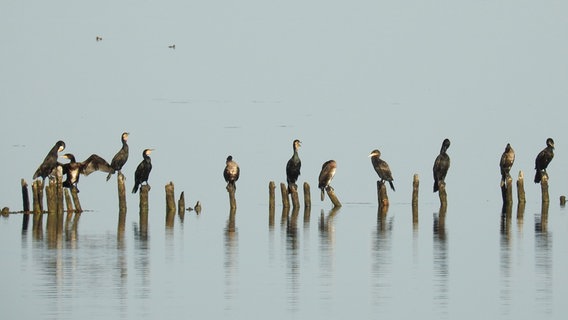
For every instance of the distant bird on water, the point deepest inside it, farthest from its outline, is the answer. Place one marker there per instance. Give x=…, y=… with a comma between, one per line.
x=50, y=161
x=74, y=169
x=326, y=175
x=441, y=165
x=293, y=167
x=143, y=170
x=231, y=172
x=120, y=157
x=506, y=163
x=381, y=167
x=543, y=159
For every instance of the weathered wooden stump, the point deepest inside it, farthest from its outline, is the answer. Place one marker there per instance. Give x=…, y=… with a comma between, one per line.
x=562, y=201
x=76, y=201
x=307, y=196
x=36, y=202
x=295, y=198
x=544, y=188
x=271, y=195
x=284, y=193
x=521, y=188
x=333, y=197
x=181, y=206
x=121, y=191
x=170, y=205
x=232, y=200
x=507, y=195
x=382, y=194
x=443, y=197
x=144, y=190
x=415, y=189
x=26, y=205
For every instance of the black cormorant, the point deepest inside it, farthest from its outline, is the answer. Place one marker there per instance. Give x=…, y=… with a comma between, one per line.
x=441, y=165
x=381, y=167
x=293, y=167
x=507, y=160
x=50, y=161
x=120, y=157
x=143, y=170
x=543, y=159
x=231, y=172
x=74, y=169
x=326, y=175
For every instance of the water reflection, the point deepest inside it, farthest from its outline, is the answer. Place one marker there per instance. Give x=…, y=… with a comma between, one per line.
x=441, y=263
x=505, y=259
x=231, y=263
x=382, y=258
x=293, y=260
x=327, y=254
x=543, y=261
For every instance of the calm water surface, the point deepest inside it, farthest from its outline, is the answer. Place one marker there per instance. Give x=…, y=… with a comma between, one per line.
x=247, y=79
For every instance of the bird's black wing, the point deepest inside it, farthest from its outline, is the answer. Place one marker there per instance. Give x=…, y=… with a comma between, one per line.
x=95, y=163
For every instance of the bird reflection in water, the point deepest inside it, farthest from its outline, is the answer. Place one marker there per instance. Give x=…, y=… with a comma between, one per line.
x=231, y=263
x=440, y=261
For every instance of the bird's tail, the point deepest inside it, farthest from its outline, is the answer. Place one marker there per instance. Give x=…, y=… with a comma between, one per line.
x=322, y=194
x=392, y=185
x=537, y=176
x=435, y=185
x=109, y=175
x=135, y=189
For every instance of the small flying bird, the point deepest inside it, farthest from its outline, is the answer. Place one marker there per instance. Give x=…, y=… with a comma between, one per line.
x=231, y=172
x=293, y=167
x=173, y=46
x=441, y=165
x=543, y=159
x=120, y=157
x=73, y=169
x=50, y=161
x=143, y=170
x=381, y=167
x=506, y=163
x=326, y=175
x=98, y=38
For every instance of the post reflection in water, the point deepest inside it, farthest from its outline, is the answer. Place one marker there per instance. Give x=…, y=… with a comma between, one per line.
x=441, y=264
x=293, y=260
x=543, y=261
x=327, y=254
x=505, y=259
x=231, y=264
x=382, y=262
x=142, y=264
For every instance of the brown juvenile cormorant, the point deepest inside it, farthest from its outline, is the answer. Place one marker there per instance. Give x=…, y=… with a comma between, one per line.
x=143, y=170
x=543, y=159
x=120, y=157
x=326, y=175
x=441, y=165
x=507, y=160
x=381, y=167
x=231, y=172
x=74, y=169
x=293, y=167
x=50, y=161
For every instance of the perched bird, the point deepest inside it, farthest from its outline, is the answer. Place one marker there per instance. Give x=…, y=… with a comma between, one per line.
x=74, y=169
x=507, y=160
x=326, y=175
x=120, y=157
x=231, y=172
x=293, y=167
x=143, y=170
x=381, y=167
x=50, y=161
x=441, y=165
x=543, y=159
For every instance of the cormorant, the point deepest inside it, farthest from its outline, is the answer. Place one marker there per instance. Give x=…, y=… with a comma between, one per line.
x=74, y=169
x=507, y=160
x=381, y=167
x=120, y=157
x=231, y=172
x=293, y=167
x=441, y=165
x=326, y=175
x=143, y=170
x=50, y=161
x=543, y=159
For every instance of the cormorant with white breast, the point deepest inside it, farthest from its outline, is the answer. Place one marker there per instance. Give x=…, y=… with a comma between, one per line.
x=543, y=159
x=231, y=172
x=441, y=165
x=326, y=175
x=143, y=170
x=120, y=157
x=50, y=161
x=293, y=167
x=506, y=163
x=381, y=167
x=74, y=169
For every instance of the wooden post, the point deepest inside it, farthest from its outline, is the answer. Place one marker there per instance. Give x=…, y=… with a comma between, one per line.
x=59, y=193
x=181, y=206
x=443, y=197
x=38, y=214
x=231, y=224
x=415, y=188
x=562, y=201
x=307, y=196
x=521, y=188
x=76, y=201
x=51, y=192
x=507, y=195
x=284, y=192
x=121, y=190
x=295, y=198
x=232, y=200
x=144, y=189
x=271, y=195
x=333, y=197
x=26, y=205
x=68, y=200
x=170, y=205
x=382, y=194
x=197, y=207
x=544, y=188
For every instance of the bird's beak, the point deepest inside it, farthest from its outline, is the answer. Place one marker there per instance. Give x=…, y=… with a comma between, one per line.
x=370, y=155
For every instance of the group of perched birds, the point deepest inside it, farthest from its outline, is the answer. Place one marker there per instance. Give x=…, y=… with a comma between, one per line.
x=73, y=169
